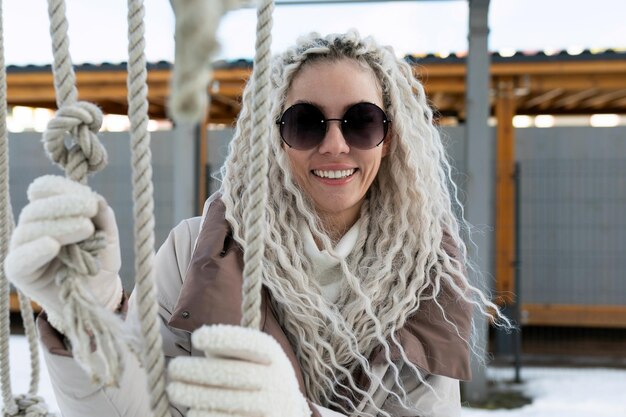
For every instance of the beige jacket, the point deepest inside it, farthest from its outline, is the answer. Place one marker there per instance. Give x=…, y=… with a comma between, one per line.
x=198, y=273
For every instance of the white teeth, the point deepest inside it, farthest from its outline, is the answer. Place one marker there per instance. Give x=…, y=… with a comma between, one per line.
x=334, y=174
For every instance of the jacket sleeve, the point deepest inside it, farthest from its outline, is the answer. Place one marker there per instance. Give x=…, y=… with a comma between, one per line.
x=76, y=394
x=440, y=398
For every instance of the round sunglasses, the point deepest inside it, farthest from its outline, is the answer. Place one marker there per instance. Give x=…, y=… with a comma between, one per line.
x=303, y=126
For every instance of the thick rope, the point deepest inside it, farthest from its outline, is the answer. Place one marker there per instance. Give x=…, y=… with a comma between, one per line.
x=30, y=406
x=87, y=324
x=26, y=404
x=254, y=232
x=28, y=321
x=196, y=25
x=143, y=208
x=9, y=402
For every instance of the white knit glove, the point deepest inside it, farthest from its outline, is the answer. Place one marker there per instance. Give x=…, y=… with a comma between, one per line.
x=62, y=212
x=245, y=373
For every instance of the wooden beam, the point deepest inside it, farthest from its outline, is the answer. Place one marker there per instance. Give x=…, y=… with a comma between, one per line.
x=499, y=69
x=559, y=67
x=574, y=315
x=92, y=93
x=549, y=82
x=505, y=190
x=85, y=77
x=450, y=85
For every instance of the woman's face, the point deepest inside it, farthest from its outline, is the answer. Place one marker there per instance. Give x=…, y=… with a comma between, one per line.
x=334, y=87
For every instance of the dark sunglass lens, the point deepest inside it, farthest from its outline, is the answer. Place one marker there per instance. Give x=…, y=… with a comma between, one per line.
x=303, y=126
x=364, y=126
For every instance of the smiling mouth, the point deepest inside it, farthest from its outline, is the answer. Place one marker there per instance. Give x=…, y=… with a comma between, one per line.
x=338, y=174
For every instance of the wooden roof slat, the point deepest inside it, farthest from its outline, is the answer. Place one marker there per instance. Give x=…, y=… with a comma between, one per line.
x=226, y=101
x=572, y=100
x=619, y=104
x=543, y=98
x=603, y=99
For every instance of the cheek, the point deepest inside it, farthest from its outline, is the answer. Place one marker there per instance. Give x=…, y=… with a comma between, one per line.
x=297, y=163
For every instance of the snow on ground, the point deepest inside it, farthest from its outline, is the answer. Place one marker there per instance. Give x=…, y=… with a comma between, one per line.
x=563, y=392
x=556, y=392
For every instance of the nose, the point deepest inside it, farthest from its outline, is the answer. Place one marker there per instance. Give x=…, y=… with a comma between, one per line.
x=334, y=143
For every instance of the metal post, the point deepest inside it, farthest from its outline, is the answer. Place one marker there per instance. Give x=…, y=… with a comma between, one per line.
x=517, y=344
x=479, y=163
x=184, y=149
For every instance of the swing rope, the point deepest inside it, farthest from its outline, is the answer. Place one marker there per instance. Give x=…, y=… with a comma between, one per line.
x=83, y=120
x=143, y=210
x=196, y=22
x=25, y=404
x=92, y=332
x=254, y=215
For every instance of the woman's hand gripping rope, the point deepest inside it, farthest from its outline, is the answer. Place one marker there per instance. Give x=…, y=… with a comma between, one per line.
x=245, y=373
x=62, y=213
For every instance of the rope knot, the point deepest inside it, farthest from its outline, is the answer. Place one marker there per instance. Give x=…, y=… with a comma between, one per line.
x=29, y=405
x=82, y=121
x=81, y=259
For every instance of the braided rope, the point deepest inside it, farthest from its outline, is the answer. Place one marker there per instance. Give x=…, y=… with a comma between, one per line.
x=25, y=404
x=143, y=207
x=86, y=322
x=196, y=42
x=254, y=232
x=28, y=320
x=10, y=405
x=30, y=406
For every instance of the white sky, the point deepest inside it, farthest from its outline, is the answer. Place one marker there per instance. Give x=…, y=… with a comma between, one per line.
x=98, y=27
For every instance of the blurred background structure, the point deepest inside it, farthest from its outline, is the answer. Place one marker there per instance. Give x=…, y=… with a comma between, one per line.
x=553, y=149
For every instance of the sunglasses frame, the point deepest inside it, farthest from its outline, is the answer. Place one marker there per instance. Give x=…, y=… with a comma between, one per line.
x=386, y=122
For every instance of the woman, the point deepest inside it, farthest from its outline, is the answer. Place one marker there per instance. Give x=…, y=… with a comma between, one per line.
x=364, y=268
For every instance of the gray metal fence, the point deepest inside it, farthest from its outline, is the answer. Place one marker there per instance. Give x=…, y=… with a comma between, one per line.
x=573, y=231
x=28, y=161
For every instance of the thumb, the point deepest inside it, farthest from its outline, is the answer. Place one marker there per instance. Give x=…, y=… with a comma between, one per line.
x=26, y=263
x=105, y=220
x=236, y=342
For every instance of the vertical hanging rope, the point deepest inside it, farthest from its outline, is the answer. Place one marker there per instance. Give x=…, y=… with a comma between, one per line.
x=65, y=83
x=143, y=208
x=196, y=22
x=28, y=320
x=29, y=404
x=82, y=120
x=196, y=25
x=5, y=229
x=87, y=325
x=254, y=232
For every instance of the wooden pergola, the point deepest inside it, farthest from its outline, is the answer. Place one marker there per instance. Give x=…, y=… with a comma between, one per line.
x=538, y=84
x=535, y=84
